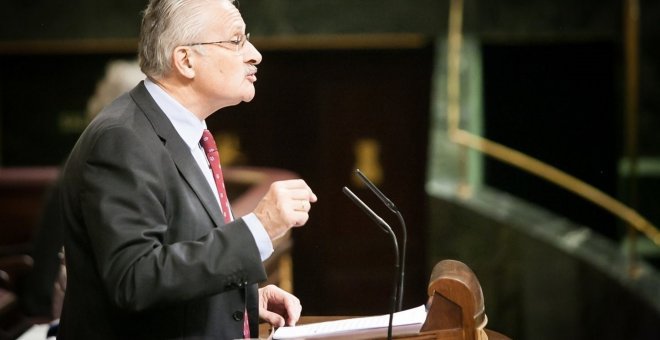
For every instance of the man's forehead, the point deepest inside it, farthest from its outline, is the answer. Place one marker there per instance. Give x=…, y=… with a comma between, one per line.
x=230, y=18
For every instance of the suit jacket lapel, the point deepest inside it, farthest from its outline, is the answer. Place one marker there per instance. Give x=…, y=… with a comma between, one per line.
x=179, y=151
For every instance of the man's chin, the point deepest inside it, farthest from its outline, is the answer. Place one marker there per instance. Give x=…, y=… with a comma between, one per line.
x=248, y=98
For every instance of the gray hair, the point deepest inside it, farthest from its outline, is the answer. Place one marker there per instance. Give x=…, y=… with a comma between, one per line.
x=167, y=24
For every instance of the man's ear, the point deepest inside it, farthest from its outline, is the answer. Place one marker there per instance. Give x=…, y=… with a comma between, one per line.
x=183, y=60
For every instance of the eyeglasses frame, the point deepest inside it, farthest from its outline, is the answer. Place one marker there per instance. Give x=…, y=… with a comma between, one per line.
x=239, y=44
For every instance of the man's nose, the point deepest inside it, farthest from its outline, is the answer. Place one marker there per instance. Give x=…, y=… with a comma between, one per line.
x=252, y=55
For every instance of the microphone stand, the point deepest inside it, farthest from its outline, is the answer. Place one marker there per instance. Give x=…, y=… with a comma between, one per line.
x=396, y=211
x=387, y=229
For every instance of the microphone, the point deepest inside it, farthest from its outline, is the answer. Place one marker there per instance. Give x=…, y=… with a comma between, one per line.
x=396, y=211
x=387, y=229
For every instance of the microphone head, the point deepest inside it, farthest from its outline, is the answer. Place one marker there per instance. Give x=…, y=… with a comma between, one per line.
x=379, y=221
x=376, y=191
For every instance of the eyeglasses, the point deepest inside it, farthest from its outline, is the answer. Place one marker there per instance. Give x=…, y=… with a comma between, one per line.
x=236, y=43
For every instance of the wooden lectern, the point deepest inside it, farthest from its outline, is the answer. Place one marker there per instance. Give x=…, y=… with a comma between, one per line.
x=455, y=309
x=456, y=305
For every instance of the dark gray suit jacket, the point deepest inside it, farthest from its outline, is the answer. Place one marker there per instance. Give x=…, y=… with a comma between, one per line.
x=147, y=253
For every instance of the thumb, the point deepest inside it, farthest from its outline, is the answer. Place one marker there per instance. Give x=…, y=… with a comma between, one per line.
x=272, y=318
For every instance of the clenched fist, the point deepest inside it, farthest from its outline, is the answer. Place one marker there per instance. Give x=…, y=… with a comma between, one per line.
x=285, y=205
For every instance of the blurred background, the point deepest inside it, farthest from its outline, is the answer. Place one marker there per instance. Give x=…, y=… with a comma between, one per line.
x=367, y=84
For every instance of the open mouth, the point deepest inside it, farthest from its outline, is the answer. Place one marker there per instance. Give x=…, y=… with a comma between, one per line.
x=252, y=74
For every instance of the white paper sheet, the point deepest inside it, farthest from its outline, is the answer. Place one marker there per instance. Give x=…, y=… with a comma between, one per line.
x=412, y=316
x=36, y=332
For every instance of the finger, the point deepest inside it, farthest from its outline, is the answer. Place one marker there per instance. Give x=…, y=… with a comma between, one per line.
x=293, y=310
x=294, y=218
x=300, y=193
x=303, y=191
x=298, y=219
x=272, y=318
x=292, y=184
x=301, y=205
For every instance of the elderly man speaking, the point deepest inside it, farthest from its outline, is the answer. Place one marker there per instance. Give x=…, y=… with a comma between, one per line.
x=153, y=250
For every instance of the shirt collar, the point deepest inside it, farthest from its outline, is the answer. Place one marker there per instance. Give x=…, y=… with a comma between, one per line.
x=189, y=127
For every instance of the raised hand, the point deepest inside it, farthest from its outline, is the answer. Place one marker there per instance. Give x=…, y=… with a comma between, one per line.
x=285, y=205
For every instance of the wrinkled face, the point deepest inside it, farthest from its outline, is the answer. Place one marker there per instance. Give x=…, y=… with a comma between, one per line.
x=225, y=73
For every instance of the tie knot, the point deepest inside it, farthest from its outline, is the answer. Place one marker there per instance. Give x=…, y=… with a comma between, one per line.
x=207, y=141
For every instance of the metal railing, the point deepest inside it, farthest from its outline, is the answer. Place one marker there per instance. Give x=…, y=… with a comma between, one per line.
x=517, y=158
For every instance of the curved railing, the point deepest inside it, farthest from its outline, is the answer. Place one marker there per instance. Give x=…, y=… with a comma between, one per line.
x=517, y=158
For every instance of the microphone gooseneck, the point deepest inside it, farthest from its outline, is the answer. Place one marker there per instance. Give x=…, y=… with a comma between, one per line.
x=396, y=211
x=386, y=228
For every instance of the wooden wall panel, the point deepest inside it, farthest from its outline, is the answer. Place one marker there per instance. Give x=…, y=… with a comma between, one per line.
x=311, y=109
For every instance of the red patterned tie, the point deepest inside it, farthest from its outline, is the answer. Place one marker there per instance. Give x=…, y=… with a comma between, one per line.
x=211, y=150
x=213, y=156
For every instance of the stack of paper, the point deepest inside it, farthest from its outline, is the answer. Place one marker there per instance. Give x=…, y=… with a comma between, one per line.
x=405, y=322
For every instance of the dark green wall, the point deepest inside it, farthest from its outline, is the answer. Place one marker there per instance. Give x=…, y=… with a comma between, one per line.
x=43, y=19
x=74, y=19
